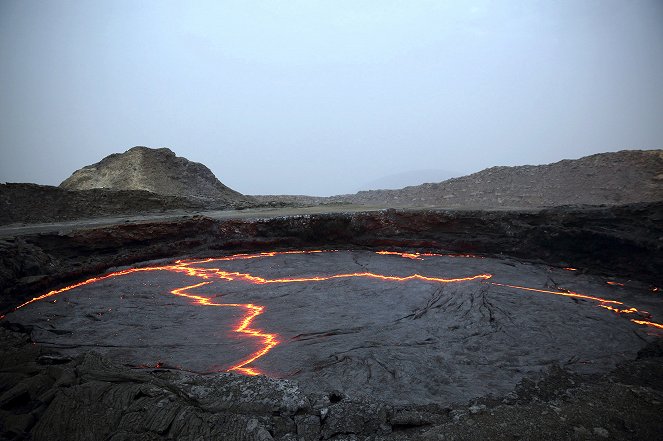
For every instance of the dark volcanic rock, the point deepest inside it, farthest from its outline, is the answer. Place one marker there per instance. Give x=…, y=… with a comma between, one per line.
x=46, y=395
x=91, y=397
x=32, y=203
x=621, y=241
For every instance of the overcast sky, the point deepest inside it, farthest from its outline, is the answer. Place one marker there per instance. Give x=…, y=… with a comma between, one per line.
x=324, y=96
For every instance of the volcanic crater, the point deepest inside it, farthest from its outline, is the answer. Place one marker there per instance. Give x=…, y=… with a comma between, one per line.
x=400, y=327
x=175, y=318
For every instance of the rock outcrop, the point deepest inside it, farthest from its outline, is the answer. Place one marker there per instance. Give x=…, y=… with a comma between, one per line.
x=47, y=396
x=623, y=177
x=157, y=171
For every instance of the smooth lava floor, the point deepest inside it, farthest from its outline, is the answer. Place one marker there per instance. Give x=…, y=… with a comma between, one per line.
x=402, y=327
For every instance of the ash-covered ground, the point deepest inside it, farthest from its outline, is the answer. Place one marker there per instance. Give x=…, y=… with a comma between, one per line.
x=470, y=327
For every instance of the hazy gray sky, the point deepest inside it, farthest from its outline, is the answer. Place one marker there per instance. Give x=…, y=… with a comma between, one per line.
x=324, y=96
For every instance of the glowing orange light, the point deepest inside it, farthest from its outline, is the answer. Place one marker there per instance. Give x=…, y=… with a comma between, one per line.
x=420, y=256
x=413, y=256
x=648, y=323
x=244, y=256
x=561, y=293
x=92, y=280
x=602, y=302
x=252, y=311
x=610, y=282
x=620, y=311
x=260, y=280
x=570, y=269
x=270, y=340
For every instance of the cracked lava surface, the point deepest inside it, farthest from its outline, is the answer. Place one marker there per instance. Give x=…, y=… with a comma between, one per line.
x=412, y=327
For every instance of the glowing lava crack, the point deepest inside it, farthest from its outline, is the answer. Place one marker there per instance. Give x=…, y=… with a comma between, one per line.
x=268, y=341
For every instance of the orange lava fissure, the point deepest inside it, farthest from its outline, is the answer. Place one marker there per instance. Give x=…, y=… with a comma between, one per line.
x=270, y=340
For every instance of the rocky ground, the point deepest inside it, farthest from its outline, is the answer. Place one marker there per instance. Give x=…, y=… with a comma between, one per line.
x=89, y=396
x=45, y=396
x=32, y=203
x=419, y=341
x=614, y=241
x=624, y=177
x=139, y=181
x=147, y=181
x=299, y=200
x=483, y=359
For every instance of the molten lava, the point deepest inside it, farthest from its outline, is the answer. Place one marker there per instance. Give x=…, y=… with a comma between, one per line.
x=420, y=256
x=648, y=323
x=268, y=341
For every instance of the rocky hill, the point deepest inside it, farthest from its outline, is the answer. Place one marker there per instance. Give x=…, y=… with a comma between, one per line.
x=158, y=171
x=139, y=181
x=622, y=177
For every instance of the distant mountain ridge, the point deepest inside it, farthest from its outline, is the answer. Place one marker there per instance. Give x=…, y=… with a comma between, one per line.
x=414, y=177
x=158, y=171
x=620, y=177
x=627, y=176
